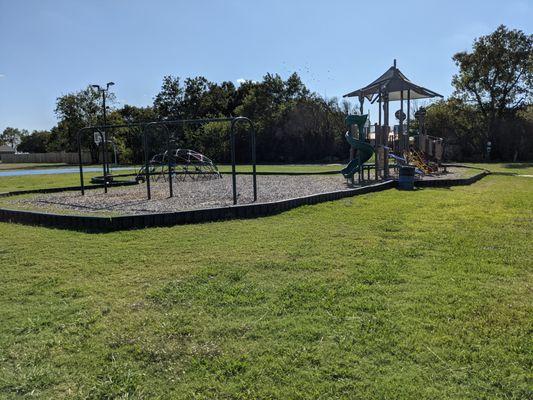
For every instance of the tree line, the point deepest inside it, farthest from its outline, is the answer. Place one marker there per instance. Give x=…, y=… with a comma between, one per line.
x=492, y=102
x=292, y=124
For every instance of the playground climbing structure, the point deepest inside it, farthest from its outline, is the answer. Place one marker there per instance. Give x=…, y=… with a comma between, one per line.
x=424, y=152
x=183, y=163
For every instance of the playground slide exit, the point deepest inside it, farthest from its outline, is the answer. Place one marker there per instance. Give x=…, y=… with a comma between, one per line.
x=364, y=153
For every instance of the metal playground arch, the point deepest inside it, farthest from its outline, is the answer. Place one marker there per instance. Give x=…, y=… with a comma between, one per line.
x=147, y=127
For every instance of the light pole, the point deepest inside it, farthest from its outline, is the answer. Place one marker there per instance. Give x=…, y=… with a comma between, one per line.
x=104, y=144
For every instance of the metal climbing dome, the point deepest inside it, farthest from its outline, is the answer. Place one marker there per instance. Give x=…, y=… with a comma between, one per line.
x=183, y=163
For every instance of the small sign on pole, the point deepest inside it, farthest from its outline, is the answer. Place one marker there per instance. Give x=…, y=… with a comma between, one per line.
x=400, y=115
x=97, y=138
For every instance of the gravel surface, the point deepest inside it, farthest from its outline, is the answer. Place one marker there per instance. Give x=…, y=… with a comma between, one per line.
x=187, y=195
x=190, y=195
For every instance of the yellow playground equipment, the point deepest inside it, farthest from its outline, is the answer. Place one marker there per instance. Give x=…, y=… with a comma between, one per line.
x=414, y=157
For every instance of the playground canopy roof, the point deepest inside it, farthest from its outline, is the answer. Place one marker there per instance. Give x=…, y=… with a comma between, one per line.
x=394, y=83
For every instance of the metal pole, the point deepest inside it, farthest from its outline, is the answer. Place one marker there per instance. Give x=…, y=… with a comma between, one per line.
x=104, y=142
x=408, y=116
x=102, y=136
x=386, y=136
x=400, y=130
x=80, y=165
x=361, y=174
x=377, y=138
x=233, y=174
x=105, y=133
x=234, y=122
x=386, y=119
x=254, y=161
x=170, y=189
x=379, y=108
x=146, y=166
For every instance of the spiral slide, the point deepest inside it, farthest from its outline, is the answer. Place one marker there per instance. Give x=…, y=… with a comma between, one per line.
x=364, y=153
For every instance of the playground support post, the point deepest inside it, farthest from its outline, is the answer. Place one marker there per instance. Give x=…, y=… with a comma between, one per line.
x=104, y=159
x=386, y=134
x=400, y=130
x=146, y=164
x=82, y=186
x=169, y=166
x=360, y=169
x=352, y=152
x=104, y=142
x=146, y=132
x=377, y=138
x=361, y=174
x=233, y=172
x=408, y=116
x=234, y=122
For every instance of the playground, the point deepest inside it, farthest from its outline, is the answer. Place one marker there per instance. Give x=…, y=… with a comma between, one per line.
x=392, y=275
x=174, y=179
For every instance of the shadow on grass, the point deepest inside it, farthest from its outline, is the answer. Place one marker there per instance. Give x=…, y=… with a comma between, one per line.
x=504, y=173
x=518, y=165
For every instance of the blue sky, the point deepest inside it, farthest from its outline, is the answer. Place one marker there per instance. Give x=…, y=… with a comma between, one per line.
x=49, y=48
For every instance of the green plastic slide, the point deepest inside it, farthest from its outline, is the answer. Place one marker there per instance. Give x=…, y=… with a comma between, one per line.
x=364, y=149
x=364, y=153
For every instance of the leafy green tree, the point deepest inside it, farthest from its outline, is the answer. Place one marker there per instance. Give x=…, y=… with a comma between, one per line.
x=168, y=103
x=75, y=111
x=461, y=124
x=12, y=136
x=292, y=123
x=218, y=100
x=192, y=102
x=524, y=136
x=497, y=76
x=129, y=141
x=36, y=142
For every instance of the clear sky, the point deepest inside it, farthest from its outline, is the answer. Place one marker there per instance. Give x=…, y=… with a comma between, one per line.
x=52, y=47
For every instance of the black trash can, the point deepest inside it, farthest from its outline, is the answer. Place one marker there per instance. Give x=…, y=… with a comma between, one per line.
x=406, y=181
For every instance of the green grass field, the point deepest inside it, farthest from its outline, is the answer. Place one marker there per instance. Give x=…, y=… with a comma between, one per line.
x=390, y=295
x=13, y=166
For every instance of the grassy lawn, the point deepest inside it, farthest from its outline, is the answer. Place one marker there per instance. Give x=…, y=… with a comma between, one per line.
x=12, y=166
x=390, y=295
x=506, y=168
x=13, y=183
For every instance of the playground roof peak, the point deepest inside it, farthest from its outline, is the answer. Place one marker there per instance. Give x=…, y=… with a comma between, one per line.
x=393, y=82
